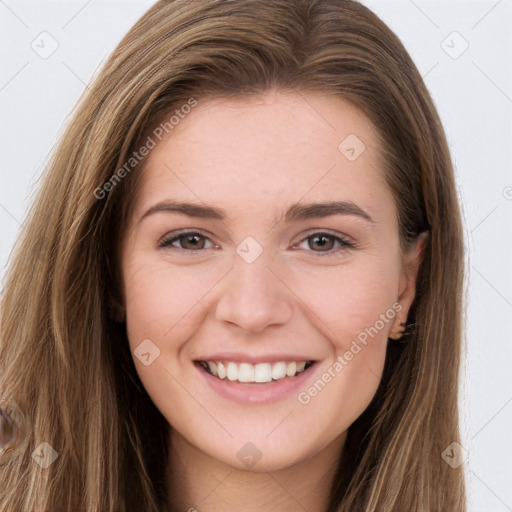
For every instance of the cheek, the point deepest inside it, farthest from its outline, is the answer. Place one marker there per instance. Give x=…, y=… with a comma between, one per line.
x=351, y=299
x=159, y=295
x=355, y=305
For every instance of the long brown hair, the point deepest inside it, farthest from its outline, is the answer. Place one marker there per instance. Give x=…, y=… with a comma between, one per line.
x=65, y=364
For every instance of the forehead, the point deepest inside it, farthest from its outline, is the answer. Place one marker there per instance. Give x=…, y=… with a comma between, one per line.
x=270, y=149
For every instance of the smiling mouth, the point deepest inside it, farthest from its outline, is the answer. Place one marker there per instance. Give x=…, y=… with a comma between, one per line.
x=255, y=373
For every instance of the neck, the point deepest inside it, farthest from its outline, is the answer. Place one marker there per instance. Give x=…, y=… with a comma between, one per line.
x=200, y=483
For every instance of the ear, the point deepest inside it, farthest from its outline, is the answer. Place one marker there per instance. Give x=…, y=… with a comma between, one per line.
x=411, y=263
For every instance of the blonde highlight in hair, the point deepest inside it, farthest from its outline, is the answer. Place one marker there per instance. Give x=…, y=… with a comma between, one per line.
x=64, y=358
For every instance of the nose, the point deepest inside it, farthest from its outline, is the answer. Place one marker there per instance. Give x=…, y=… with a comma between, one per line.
x=253, y=297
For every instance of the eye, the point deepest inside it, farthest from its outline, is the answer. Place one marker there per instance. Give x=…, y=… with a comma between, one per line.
x=323, y=243
x=188, y=241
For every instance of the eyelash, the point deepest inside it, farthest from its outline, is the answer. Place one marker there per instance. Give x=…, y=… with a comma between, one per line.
x=166, y=243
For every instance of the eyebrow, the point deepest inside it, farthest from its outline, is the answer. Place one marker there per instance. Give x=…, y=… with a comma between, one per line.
x=296, y=212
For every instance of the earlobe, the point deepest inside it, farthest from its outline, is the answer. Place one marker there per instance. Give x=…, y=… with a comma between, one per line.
x=407, y=285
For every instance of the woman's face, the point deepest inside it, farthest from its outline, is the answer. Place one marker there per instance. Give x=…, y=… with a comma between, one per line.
x=233, y=265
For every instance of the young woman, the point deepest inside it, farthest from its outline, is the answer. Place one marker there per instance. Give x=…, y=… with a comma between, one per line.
x=240, y=286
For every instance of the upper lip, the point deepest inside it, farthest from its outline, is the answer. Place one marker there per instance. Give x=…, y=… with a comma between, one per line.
x=254, y=359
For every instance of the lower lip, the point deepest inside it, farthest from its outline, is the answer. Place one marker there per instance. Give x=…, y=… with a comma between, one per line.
x=257, y=393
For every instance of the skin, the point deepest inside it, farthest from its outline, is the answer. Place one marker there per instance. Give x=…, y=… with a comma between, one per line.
x=254, y=157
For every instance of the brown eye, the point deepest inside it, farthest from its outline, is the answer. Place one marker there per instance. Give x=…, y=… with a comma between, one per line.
x=192, y=242
x=187, y=241
x=322, y=242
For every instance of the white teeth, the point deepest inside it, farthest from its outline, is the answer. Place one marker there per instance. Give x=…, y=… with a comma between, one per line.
x=261, y=372
x=291, y=369
x=232, y=371
x=246, y=372
x=221, y=371
x=279, y=371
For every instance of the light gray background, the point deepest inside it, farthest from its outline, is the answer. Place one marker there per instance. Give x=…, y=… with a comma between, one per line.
x=472, y=90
